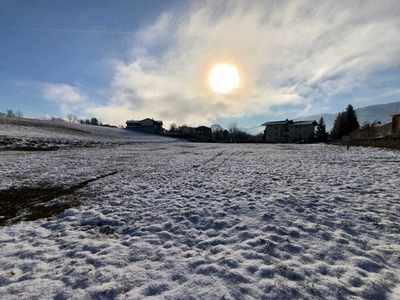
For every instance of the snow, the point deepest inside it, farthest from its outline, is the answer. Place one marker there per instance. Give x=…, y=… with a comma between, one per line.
x=205, y=221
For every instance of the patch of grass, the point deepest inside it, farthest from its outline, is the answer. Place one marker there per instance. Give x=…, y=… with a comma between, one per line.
x=29, y=204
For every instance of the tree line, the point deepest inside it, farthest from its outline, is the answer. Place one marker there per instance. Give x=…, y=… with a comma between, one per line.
x=218, y=134
x=345, y=123
x=70, y=118
x=14, y=114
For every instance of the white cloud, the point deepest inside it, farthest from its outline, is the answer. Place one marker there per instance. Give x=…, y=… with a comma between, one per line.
x=70, y=99
x=287, y=52
x=62, y=93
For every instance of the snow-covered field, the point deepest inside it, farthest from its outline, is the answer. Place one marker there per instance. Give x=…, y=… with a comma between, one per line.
x=204, y=221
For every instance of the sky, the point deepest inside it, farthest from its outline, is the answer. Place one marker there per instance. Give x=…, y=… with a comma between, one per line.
x=123, y=60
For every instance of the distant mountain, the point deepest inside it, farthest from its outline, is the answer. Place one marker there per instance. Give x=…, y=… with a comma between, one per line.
x=255, y=130
x=328, y=118
x=380, y=112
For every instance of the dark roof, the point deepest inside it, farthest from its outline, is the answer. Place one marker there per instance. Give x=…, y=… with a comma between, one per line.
x=301, y=123
x=138, y=122
x=290, y=123
x=276, y=123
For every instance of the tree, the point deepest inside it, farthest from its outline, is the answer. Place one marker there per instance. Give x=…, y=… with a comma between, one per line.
x=76, y=120
x=186, y=130
x=173, y=127
x=216, y=127
x=352, y=121
x=94, y=121
x=339, y=126
x=19, y=114
x=321, y=134
x=10, y=113
x=368, y=129
x=345, y=123
x=56, y=119
x=70, y=117
x=226, y=134
x=87, y=122
x=217, y=132
x=233, y=127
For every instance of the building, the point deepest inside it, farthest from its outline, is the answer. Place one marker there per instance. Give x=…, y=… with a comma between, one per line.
x=376, y=129
x=203, y=131
x=396, y=124
x=289, y=131
x=146, y=125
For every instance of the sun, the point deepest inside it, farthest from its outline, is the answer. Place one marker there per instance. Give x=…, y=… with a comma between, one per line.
x=224, y=78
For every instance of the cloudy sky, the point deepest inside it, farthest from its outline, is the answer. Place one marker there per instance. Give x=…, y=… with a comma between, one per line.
x=119, y=60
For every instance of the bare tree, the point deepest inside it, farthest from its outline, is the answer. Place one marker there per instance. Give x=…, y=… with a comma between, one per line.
x=56, y=119
x=216, y=128
x=76, y=120
x=70, y=117
x=233, y=127
x=19, y=114
x=173, y=127
x=217, y=132
x=369, y=129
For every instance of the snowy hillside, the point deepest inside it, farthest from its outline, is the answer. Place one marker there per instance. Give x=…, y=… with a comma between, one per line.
x=202, y=221
x=21, y=133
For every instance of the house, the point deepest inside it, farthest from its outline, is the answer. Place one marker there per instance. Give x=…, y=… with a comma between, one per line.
x=396, y=124
x=376, y=129
x=203, y=131
x=146, y=125
x=384, y=129
x=289, y=131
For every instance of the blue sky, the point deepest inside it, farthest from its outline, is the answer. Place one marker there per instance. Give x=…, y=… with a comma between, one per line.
x=119, y=60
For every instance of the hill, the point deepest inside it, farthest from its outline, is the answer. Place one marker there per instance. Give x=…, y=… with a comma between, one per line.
x=32, y=134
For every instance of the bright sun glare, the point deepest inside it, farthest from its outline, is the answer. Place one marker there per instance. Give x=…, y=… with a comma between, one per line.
x=223, y=78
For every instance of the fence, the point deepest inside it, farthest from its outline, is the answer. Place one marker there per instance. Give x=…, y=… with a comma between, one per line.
x=384, y=142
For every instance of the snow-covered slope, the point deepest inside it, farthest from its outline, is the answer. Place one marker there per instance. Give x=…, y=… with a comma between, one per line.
x=207, y=221
x=18, y=133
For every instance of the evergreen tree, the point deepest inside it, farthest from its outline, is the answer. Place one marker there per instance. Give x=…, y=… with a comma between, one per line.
x=339, y=126
x=335, y=129
x=321, y=133
x=10, y=113
x=345, y=123
x=94, y=121
x=352, y=121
